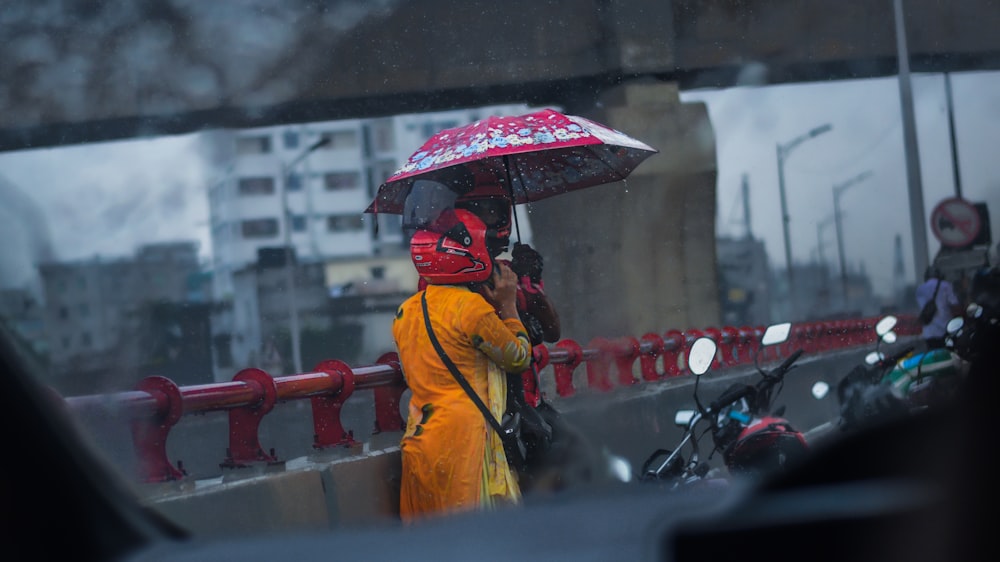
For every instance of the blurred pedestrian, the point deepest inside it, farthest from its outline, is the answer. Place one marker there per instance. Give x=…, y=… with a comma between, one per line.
x=938, y=304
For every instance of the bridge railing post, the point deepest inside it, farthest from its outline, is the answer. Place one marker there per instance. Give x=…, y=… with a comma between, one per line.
x=149, y=433
x=626, y=351
x=244, y=422
x=563, y=372
x=387, y=399
x=673, y=353
x=598, y=367
x=326, y=408
x=647, y=359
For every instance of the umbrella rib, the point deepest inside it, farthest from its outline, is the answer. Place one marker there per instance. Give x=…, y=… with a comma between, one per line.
x=620, y=175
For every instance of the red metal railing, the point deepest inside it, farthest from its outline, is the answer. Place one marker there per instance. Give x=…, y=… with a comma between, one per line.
x=157, y=403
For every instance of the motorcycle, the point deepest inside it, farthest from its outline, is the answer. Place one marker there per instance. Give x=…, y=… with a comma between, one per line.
x=888, y=386
x=752, y=438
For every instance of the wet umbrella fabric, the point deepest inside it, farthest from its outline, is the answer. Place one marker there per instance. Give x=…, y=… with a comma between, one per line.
x=543, y=153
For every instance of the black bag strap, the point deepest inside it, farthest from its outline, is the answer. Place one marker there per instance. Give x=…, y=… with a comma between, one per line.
x=936, y=287
x=456, y=373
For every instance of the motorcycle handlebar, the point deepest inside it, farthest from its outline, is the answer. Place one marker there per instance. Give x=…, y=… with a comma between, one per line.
x=731, y=396
x=894, y=358
x=788, y=362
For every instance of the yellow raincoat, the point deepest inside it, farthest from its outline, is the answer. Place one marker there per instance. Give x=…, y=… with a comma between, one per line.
x=452, y=459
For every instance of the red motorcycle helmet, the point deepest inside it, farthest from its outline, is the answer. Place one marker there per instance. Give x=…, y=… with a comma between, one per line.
x=766, y=446
x=454, y=251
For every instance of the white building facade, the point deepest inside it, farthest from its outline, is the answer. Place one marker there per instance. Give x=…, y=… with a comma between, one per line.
x=325, y=174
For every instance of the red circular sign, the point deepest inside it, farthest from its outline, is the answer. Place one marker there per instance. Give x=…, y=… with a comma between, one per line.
x=955, y=222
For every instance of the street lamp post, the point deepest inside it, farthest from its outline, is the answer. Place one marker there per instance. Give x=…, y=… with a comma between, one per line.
x=839, y=190
x=820, y=226
x=783, y=151
x=293, y=305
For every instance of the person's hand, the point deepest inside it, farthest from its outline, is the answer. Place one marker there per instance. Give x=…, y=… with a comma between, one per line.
x=503, y=294
x=527, y=262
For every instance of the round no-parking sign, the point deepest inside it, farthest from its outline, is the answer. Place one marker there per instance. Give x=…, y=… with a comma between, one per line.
x=955, y=222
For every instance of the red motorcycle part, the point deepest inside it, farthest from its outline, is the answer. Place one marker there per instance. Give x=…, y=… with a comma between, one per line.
x=766, y=445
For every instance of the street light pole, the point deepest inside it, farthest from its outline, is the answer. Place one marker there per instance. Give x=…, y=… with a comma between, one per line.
x=293, y=308
x=783, y=151
x=838, y=190
x=819, y=237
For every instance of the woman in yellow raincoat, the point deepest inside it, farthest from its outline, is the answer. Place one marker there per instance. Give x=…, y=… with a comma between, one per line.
x=453, y=460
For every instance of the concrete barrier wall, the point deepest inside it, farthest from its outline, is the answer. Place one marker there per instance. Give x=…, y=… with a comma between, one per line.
x=360, y=486
x=308, y=493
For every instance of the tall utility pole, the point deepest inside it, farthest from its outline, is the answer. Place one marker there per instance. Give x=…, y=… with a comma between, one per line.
x=293, y=303
x=913, y=181
x=746, y=207
x=951, y=134
x=783, y=151
x=839, y=190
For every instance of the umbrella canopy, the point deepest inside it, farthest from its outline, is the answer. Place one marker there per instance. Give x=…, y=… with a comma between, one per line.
x=538, y=154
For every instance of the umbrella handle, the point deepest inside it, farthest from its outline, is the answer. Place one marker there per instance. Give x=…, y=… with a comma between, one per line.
x=510, y=189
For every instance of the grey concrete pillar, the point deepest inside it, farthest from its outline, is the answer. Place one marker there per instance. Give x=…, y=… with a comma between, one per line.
x=638, y=256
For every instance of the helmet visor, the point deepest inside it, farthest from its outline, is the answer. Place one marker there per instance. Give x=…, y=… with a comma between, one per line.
x=429, y=206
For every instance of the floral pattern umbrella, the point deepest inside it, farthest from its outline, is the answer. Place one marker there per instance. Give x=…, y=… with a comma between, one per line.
x=543, y=153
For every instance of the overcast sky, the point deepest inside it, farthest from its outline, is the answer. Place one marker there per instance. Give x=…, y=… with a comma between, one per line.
x=100, y=199
x=866, y=135
x=105, y=199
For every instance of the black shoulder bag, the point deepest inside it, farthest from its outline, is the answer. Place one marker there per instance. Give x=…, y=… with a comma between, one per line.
x=510, y=428
x=930, y=309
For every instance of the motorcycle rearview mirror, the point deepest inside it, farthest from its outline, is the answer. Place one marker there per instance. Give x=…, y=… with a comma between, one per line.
x=874, y=357
x=820, y=389
x=699, y=360
x=974, y=310
x=885, y=325
x=883, y=329
x=955, y=325
x=683, y=417
x=701, y=356
x=776, y=333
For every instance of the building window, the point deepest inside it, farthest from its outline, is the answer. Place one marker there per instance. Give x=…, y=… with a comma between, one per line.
x=340, y=139
x=65, y=342
x=253, y=145
x=341, y=180
x=298, y=223
x=378, y=272
x=259, y=228
x=390, y=227
x=256, y=186
x=85, y=339
x=84, y=310
x=383, y=136
x=344, y=223
x=291, y=139
x=63, y=313
x=294, y=182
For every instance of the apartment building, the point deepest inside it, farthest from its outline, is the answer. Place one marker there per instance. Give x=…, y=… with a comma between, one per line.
x=305, y=186
x=107, y=320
